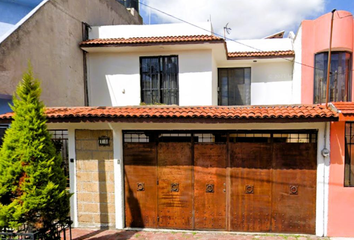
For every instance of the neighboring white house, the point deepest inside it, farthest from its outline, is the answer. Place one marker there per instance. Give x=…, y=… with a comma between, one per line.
x=263, y=68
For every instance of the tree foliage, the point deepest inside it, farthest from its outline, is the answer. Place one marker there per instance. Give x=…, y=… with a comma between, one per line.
x=32, y=182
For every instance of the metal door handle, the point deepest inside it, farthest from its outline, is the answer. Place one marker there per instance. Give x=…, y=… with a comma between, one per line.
x=174, y=187
x=209, y=188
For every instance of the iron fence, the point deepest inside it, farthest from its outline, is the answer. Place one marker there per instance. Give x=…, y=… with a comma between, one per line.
x=59, y=230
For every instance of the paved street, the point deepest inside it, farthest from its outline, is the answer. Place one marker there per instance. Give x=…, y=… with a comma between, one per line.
x=79, y=234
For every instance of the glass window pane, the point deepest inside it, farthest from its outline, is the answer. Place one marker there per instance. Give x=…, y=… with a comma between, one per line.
x=340, y=80
x=159, y=78
x=349, y=155
x=235, y=86
x=223, y=87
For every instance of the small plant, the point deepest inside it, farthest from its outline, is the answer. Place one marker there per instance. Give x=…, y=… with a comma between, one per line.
x=151, y=104
x=32, y=184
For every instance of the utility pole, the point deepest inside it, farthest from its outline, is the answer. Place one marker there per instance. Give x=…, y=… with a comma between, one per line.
x=329, y=59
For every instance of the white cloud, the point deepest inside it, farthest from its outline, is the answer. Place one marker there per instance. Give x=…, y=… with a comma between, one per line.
x=247, y=18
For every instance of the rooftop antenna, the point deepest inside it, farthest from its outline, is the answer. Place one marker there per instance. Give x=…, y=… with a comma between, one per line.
x=226, y=30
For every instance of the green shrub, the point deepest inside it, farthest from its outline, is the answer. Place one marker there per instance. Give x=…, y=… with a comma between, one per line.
x=32, y=182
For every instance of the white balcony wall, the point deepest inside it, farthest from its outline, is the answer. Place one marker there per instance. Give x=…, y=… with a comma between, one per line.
x=272, y=83
x=114, y=78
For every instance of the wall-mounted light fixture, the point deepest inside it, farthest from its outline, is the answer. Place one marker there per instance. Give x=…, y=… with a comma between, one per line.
x=103, y=141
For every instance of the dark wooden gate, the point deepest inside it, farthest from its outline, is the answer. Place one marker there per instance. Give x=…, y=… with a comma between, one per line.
x=263, y=184
x=251, y=184
x=140, y=184
x=210, y=186
x=175, y=188
x=294, y=187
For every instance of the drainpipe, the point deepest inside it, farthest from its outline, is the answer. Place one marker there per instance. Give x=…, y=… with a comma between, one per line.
x=329, y=58
x=85, y=35
x=325, y=154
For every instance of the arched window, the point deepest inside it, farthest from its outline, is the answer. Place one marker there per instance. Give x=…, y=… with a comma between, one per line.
x=340, y=77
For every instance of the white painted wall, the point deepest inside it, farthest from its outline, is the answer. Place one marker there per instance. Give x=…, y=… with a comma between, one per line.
x=215, y=82
x=256, y=45
x=114, y=78
x=322, y=163
x=155, y=30
x=271, y=83
x=297, y=67
x=195, y=78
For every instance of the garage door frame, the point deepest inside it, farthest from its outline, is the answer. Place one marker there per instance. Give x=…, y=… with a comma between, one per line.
x=227, y=133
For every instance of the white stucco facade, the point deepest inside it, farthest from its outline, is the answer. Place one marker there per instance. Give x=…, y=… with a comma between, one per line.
x=297, y=66
x=114, y=72
x=114, y=77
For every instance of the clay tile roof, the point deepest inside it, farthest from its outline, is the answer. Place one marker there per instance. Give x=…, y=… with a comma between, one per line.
x=346, y=108
x=263, y=54
x=214, y=114
x=150, y=40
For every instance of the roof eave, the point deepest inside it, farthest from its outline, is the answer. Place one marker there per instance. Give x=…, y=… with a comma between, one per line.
x=184, y=120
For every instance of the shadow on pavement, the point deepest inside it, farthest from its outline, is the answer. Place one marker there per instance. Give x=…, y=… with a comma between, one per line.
x=100, y=235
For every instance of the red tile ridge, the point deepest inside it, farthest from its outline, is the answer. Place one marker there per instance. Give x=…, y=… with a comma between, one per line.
x=145, y=40
x=200, y=112
x=276, y=53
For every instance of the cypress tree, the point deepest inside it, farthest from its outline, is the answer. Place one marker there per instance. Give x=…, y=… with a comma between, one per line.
x=32, y=183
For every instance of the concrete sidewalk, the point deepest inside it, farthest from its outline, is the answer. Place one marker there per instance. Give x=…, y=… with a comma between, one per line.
x=80, y=234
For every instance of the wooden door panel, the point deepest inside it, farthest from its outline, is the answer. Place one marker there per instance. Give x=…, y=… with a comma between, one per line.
x=294, y=188
x=175, y=189
x=140, y=184
x=250, y=173
x=210, y=186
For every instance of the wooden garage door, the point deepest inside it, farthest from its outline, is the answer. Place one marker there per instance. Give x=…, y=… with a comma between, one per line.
x=294, y=187
x=175, y=188
x=240, y=182
x=140, y=184
x=210, y=186
x=251, y=184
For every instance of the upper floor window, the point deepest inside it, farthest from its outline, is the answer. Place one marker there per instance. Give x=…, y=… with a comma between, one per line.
x=340, y=77
x=234, y=86
x=159, y=79
x=349, y=155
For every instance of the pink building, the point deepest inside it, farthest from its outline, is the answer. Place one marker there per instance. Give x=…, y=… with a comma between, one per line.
x=312, y=40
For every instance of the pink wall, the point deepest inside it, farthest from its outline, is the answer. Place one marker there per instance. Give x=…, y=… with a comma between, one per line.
x=315, y=39
x=340, y=199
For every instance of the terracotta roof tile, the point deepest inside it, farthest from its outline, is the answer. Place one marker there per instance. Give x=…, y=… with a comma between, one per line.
x=263, y=54
x=151, y=40
x=175, y=113
x=346, y=108
x=138, y=41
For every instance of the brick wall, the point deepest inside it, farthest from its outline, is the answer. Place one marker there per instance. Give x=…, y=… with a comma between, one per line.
x=95, y=179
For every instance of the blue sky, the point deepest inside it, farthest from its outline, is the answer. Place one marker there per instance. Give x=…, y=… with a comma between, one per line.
x=247, y=18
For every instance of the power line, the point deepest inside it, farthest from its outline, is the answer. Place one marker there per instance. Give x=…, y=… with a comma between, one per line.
x=64, y=11
x=229, y=39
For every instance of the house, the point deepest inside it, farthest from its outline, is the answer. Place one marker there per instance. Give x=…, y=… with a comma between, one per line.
x=47, y=33
x=185, y=130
